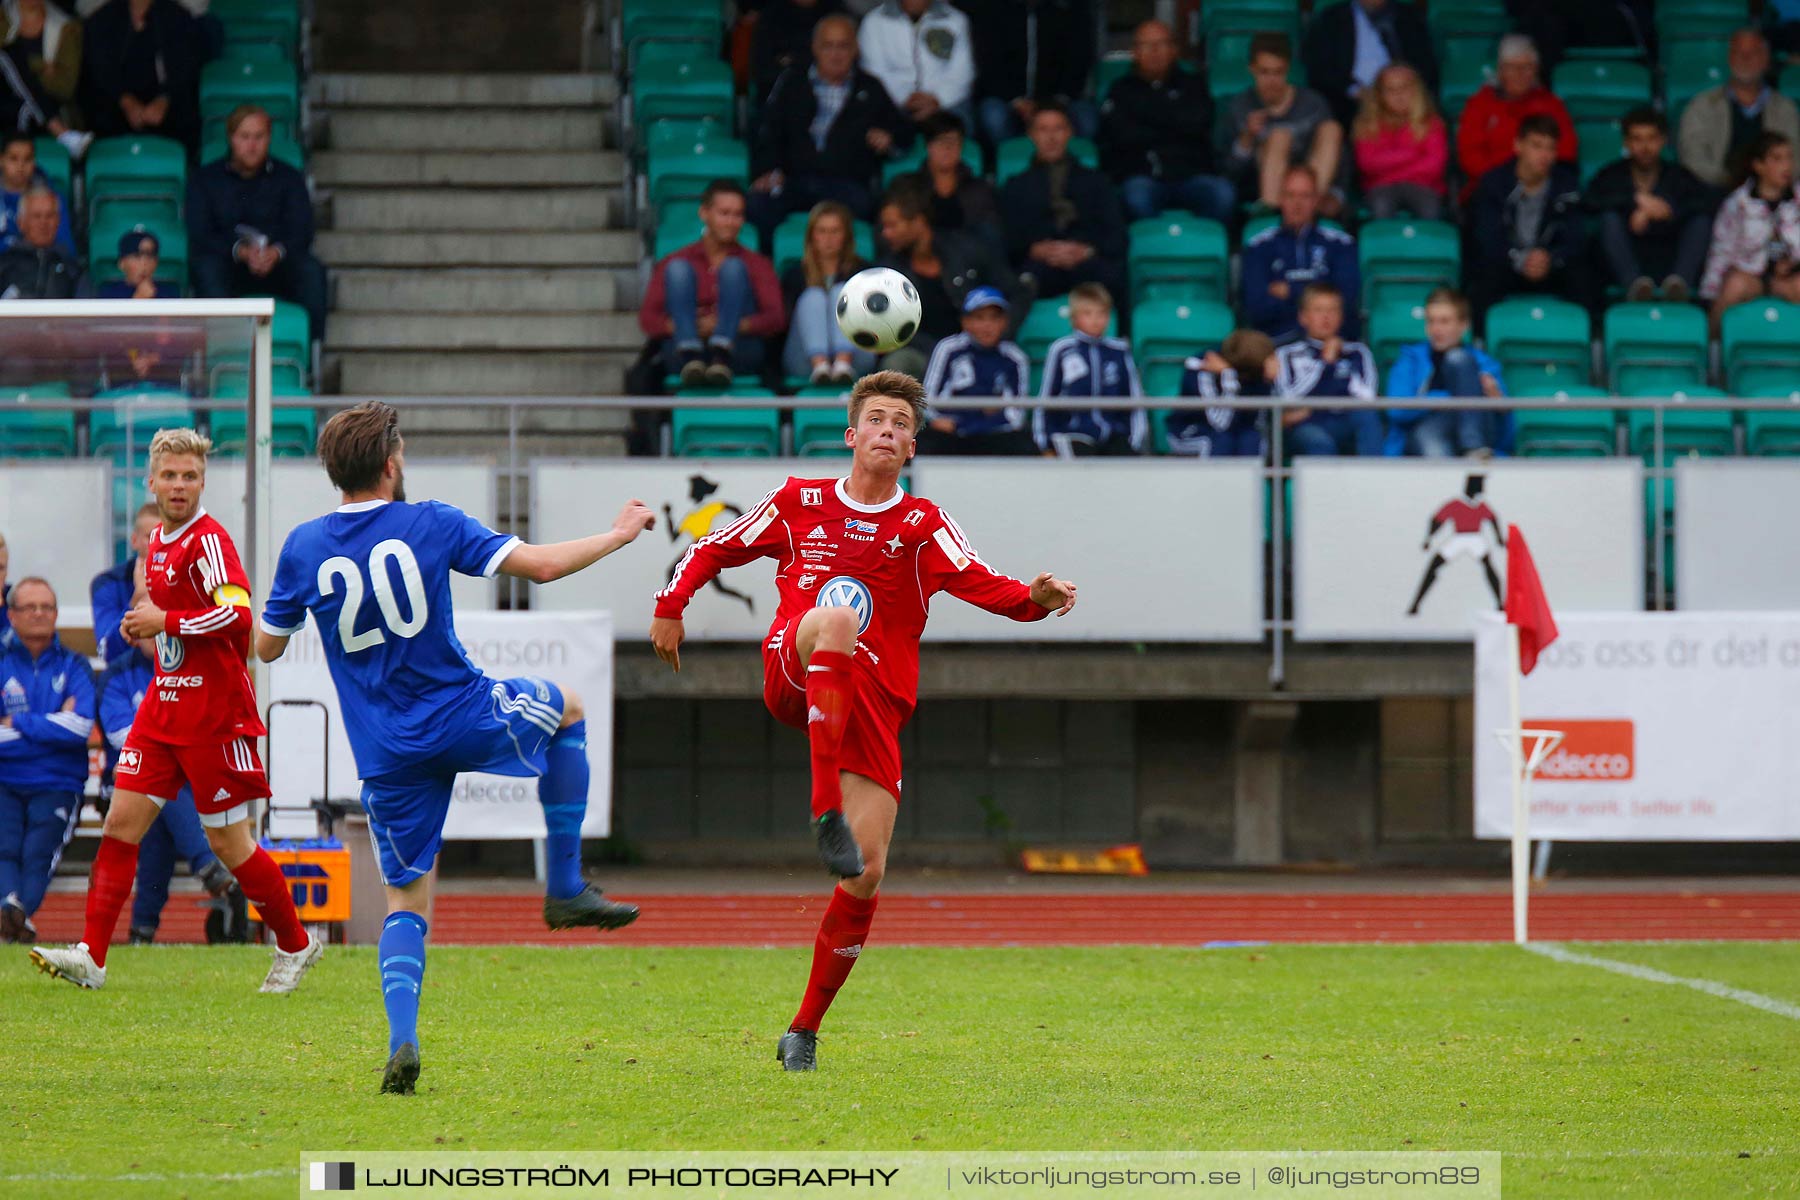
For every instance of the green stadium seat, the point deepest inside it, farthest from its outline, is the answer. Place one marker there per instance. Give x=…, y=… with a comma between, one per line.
x=1108, y=71
x=1790, y=87
x=1405, y=259
x=676, y=227
x=1541, y=342
x=1166, y=333
x=644, y=22
x=54, y=161
x=683, y=174
x=1047, y=321
x=670, y=82
x=1679, y=24
x=790, y=241
x=31, y=431
x=1600, y=91
x=120, y=219
x=1759, y=344
x=1686, y=76
x=1599, y=145
x=1565, y=432
x=913, y=159
x=149, y=173
x=727, y=432
x=1774, y=432
x=229, y=82
x=1703, y=431
x=214, y=145
x=294, y=432
x=1015, y=154
x=257, y=27
x=1176, y=256
x=1238, y=16
x=290, y=352
x=132, y=420
x=1393, y=325
x=1654, y=349
x=1465, y=65
x=819, y=432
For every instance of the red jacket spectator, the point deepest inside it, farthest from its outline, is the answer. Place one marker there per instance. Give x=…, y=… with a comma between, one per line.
x=771, y=315
x=1396, y=155
x=1490, y=126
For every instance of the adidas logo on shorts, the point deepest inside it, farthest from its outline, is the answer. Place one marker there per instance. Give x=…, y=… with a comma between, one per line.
x=222, y=796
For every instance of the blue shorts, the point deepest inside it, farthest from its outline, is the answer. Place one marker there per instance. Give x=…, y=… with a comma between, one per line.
x=505, y=732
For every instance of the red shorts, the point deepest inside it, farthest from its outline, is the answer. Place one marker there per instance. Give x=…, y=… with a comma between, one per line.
x=224, y=778
x=871, y=745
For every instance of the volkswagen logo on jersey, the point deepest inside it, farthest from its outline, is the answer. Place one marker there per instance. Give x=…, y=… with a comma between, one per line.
x=170, y=653
x=847, y=592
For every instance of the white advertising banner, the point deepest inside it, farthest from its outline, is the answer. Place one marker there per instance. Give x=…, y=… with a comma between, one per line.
x=56, y=518
x=1725, y=558
x=1161, y=550
x=1411, y=550
x=1678, y=727
x=573, y=650
x=302, y=491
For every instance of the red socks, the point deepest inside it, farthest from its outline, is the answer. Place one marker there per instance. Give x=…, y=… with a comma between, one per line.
x=266, y=887
x=109, y=886
x=829, y=690
x=841, y=936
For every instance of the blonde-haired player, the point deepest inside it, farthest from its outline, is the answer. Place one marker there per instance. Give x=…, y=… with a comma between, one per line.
x=198, y=724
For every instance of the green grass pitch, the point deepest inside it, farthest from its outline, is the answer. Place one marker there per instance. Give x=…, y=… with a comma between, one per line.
x=178, y=1079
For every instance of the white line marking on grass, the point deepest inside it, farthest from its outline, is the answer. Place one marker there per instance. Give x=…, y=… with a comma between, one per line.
x=148, y=1176
x=1757, y=1000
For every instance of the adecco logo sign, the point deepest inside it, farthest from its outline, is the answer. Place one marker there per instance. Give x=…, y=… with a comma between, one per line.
x=1591, y=751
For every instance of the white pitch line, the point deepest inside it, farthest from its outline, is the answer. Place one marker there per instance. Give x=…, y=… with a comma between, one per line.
x=147, y=1176
x=1757, y=1000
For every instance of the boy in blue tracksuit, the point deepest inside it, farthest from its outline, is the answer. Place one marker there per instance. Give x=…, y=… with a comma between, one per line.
x=1242, y=366
x=1088, y=363
x=1280, y=261
x=978, y=362
x=177, y=830
x=46, y=714
x=1323, y=366
x=1443, y=367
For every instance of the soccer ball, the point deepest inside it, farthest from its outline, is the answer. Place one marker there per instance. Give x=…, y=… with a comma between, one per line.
x=878, y=310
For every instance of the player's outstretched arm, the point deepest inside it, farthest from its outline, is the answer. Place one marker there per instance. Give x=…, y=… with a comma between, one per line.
x=548, y=563
x=666, y=634
x=1055, y=595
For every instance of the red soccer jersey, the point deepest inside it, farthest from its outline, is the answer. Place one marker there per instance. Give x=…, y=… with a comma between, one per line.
x=1463, y=516
x=202, y=692
x=884, y=561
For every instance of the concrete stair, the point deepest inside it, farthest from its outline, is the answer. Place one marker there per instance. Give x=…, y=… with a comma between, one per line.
x=477, y=249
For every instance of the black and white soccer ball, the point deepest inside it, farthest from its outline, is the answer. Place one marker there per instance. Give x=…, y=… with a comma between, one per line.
x=878, y=310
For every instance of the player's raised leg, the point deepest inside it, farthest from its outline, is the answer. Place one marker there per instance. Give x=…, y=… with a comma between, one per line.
x=265, y=886
x=570, y=900
x=109, y=886
x=870, y=810
x=826, y=646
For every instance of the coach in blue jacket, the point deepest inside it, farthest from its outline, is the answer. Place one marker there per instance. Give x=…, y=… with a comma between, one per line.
x=46, y=714
x=1281, y=260
x=110, y=592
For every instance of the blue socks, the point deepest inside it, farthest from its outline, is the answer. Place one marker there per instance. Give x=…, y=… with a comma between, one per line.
x=402, y=952
x=563, y=792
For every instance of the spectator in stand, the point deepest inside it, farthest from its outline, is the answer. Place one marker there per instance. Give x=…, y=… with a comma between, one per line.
x=1027, y=51
x=139, y=258
x=1402, y=149
x=34, y=267
x=922, y=52
x=1281, y=260
x=1156, y=131
x=110, y=592
x=1273, y=125
x=817, y=349
x=823, y=133
x=1442, y=367
x=1243, y=366
x=18, y=174
x=46, y=714
x=1655, y=216
x=1720, y=124
x=1064, y=225
x=1349, y=45
x=140, y=67
x=961, y=200
x=1090, y=363
x=1756, y=235
x=714, y=302
x=1526, y=232
x=1323, y=365
x=6, y=633
x=979, y=361
x=250, y=223
x=1489, y=124
x=783, y=39
x=945, y=267
x=43, y=45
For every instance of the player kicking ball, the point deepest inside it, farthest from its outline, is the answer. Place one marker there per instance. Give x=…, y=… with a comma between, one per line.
x=859, y=560
x=375, y=575
x=198, y=725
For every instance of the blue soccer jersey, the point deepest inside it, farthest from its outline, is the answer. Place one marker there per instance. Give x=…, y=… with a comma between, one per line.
x=376, y=577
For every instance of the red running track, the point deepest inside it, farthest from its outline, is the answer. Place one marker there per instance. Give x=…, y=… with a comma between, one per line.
x=987, y=919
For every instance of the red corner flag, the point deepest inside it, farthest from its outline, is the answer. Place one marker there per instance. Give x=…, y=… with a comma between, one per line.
x=1526, y=605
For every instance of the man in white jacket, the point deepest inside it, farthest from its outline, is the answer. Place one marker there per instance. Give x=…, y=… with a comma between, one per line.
x=922, y=53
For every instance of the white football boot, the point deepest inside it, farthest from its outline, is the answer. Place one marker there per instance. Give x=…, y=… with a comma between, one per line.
x=288, y=969
x=73, y=963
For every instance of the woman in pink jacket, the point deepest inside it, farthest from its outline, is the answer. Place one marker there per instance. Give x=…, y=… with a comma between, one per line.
x=1402, y=149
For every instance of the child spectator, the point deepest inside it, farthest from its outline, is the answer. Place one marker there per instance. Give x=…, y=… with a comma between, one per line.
x=1322, y=364
x=1273, y=125
x=1756, y=236
x=979, y=362
x=139, y=257
x=1443, y=367
x=817, y=349
x=1243, y=365
x=1526, y=232
x=1402, y=150
x=1089, y=363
